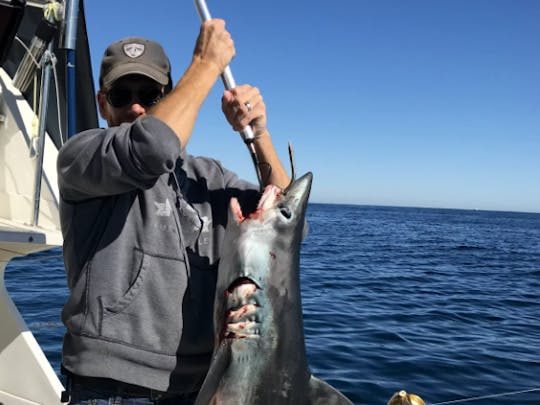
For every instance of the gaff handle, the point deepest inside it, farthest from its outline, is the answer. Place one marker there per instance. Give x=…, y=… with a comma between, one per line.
x=226, y=76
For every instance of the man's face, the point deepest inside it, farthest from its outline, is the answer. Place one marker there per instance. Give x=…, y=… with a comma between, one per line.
x=128, y=98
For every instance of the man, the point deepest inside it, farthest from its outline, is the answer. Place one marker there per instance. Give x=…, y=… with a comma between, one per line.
x=143, y=223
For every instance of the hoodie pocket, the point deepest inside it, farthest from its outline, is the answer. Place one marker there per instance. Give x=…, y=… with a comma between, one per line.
x=149, y=314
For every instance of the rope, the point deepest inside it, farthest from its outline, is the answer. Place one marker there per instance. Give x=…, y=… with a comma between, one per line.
x=20, y=41
x=54, y=11
x=486, y=397
x=57, y=90
x=35, y=120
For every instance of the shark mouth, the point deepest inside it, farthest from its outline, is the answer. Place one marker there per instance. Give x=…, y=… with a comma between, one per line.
x=268, y=199
x=241, y=320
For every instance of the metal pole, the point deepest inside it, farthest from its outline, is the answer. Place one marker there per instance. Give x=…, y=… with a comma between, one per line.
x=43, y=106
x=70, y=41
x=228, y=81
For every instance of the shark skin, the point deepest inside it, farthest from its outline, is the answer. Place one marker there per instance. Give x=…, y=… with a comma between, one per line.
x=260, y=356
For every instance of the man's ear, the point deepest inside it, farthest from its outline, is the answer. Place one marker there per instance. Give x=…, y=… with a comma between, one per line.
x=102, y=104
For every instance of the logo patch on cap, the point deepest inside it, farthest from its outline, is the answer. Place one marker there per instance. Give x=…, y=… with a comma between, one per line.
x=133, y=50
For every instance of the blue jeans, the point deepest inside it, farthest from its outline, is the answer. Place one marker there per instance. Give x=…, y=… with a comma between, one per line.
x=85, y=396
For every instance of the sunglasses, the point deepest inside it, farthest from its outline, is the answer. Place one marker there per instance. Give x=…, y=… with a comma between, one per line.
x=122, y=96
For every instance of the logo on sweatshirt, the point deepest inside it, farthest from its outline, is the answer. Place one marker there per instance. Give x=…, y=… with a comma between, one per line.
x=163, y=209
x=206, y=222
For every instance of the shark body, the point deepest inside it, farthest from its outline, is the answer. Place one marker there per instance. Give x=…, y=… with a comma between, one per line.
x=259, y=356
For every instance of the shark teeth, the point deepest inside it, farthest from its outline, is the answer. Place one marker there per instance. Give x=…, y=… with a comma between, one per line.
x=241, y=320
x=248, y=311
x=241, y=292
x=242, y=330
x=240, y=298
x=269, y=197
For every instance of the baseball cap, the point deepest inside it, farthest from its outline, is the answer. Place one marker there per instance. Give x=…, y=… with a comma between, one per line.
x=134, y=55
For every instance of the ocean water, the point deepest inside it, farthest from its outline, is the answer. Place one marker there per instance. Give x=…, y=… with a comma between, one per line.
x=442, y=303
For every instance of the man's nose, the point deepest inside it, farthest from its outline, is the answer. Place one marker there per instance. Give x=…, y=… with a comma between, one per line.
x=137, y=109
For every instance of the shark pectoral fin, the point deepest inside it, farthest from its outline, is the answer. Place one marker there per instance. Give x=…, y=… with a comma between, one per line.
x=220, y=363
x=322, y=393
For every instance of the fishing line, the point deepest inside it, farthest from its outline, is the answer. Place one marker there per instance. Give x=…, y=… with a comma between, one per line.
x=486, y=397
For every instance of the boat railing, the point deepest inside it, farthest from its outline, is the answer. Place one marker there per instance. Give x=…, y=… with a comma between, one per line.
x=35, y=68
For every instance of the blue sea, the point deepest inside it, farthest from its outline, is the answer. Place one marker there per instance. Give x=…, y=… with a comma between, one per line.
x=441, y=303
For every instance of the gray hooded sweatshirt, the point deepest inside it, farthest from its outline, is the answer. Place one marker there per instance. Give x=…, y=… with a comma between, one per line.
x=143, y=224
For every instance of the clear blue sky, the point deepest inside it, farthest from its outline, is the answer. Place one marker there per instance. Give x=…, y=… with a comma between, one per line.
x=392, y=102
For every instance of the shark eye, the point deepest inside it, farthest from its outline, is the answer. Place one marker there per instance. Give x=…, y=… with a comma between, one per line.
x=285, y=211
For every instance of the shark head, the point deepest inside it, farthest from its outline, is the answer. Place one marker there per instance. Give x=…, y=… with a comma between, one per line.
x=279, y=208
x=259, y=269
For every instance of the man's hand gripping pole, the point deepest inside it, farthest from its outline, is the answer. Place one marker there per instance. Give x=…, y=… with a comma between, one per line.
x=228, y=80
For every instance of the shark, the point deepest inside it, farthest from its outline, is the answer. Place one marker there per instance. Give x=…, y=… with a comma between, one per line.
x=259, y=354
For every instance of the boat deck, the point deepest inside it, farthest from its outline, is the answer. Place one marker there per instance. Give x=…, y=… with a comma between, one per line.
x=18, y=239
